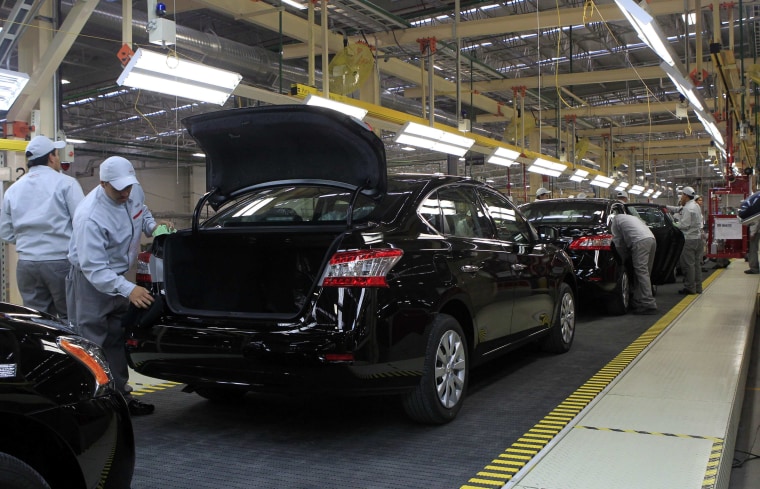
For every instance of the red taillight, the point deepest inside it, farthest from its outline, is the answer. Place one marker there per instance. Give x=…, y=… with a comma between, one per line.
x=592, y=243
x=365, y=268
x=143, y=267
x=339, y=357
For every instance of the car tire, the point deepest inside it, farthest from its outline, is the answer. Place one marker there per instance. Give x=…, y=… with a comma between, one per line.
x=443, y=385
x=221, y=395
x=562, y=331
x=15, y=474
x=621, y=296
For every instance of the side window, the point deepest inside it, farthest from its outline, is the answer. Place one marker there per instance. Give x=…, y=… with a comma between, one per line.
x=430, y=211
x=653, y=216
x=510, y=225
x=462, y=216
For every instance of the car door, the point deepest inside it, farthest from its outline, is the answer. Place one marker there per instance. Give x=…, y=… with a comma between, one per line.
x=529, y=271
x=478, y=261
x=669, y=239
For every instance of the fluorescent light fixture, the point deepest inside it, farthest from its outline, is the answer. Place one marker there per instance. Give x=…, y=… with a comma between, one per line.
x=656, y=194
x=75, y=141
x=636, y=190
x=579, y=175
x=708, y=122
x=647, y=29
x=295, y=4
x=503, y=157
x=347, y=109
x=168, y=74
x=622, y=186
x=686, y=87
x=434, y=139
x=648, y=192
x=601, y=181
x=546, y=167
x=199, y=155
x=11, y=84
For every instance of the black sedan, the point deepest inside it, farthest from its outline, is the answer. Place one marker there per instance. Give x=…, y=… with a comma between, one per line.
x=317, y=272
x=63, y=424
x=580, y=227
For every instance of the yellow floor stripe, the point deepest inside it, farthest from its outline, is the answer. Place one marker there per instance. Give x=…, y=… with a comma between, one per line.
x=579, y=399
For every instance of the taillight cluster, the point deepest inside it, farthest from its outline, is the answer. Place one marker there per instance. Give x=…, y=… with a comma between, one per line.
x=360, y=268
x=597, y=242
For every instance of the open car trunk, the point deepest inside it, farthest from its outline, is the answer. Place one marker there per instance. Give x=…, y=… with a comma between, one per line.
x=240, y=274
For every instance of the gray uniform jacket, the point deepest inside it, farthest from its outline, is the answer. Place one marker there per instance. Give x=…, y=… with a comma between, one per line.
x=37, y=211
x=106, y=239
x=691, y=221
x=627, y=230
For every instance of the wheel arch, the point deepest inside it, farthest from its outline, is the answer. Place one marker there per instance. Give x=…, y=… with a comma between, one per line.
x=45, y=452
x=459, y=311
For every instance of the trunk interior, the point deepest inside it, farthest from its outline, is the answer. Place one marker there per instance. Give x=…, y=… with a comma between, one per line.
x=242, y=273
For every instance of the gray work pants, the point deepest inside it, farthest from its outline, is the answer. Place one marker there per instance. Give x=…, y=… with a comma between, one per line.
x=642, y=258
x=97, y=317
x=691, y=265
x=752, y=258
x=42, y=285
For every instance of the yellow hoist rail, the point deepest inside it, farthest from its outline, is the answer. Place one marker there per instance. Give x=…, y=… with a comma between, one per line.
x=399, y=118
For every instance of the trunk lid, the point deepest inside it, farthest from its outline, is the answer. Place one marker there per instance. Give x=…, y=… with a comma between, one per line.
x=258, y=145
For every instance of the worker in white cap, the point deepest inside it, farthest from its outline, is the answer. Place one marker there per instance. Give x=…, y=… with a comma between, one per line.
x=690, y=225
x=104, y=246
x=622, y=196
x=543, y=193
x=37, y=217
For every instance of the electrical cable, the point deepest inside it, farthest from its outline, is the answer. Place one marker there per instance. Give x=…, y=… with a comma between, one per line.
x=750, y=456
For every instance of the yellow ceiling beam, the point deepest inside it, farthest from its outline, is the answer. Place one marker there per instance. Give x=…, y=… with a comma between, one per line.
x=630, y=130
x=13, y=145
x=551, y=18
x=561, y=80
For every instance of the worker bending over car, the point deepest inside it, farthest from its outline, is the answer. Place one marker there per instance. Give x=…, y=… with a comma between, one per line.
x=632, y=237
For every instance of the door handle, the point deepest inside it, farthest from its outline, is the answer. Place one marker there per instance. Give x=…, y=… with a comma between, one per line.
x=470, y=268
x=518, y=267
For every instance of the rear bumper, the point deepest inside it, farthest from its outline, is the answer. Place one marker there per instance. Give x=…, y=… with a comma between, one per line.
x=284, y=361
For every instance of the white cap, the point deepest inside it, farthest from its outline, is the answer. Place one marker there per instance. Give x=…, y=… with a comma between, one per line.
x=118, y=172
x=688, y=191
x=622, y=194
x=542, y=191
x=41, y=145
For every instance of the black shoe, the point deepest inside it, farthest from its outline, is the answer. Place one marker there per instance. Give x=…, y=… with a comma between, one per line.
x=751, y=272
x=646, y=311
x=686, y=292
x=139, y=408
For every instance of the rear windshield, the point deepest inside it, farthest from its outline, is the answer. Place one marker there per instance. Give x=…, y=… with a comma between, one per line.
x=564, y=213
x=299, y=204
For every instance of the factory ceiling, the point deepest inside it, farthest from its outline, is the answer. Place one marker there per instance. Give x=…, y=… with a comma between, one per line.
x=573, y=75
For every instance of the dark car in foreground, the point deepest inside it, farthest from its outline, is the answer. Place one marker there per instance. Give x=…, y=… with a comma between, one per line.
x=580, y=227
x=62, y=423
x=319, y=273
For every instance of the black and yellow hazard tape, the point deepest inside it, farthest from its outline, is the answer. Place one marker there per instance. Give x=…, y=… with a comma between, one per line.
x=142, y=389
x=514, y=458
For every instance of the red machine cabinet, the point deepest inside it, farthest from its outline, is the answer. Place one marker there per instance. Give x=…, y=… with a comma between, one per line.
x=726, y=237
